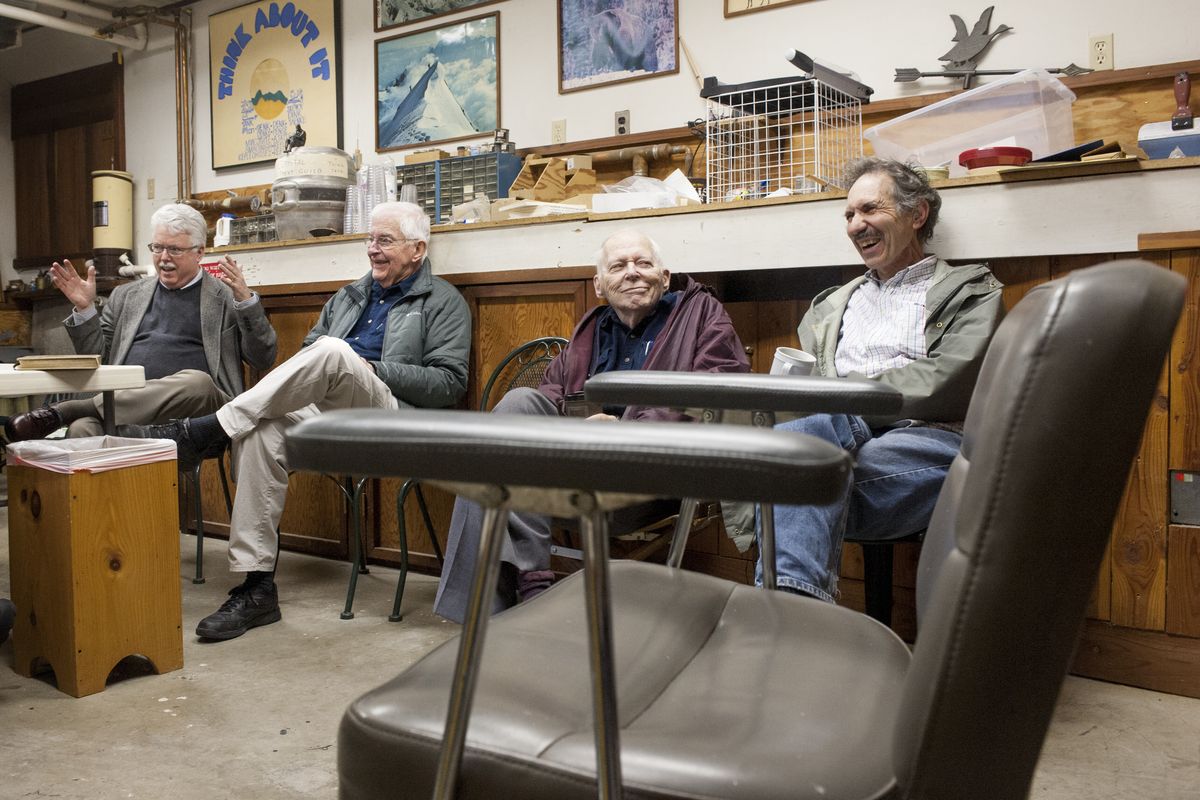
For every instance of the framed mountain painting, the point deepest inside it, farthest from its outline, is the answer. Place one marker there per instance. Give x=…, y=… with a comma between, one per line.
x=438, y=84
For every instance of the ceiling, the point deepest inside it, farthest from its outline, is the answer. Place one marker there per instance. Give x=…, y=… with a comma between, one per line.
x=11, y=29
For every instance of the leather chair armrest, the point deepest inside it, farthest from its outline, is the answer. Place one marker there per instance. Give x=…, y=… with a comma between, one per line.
x=744, y=392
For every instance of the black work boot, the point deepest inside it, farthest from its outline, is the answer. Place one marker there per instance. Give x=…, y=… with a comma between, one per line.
x=249, y=605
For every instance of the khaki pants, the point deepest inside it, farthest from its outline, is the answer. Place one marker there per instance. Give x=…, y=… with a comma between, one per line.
x=324, y=376
x=187, y=393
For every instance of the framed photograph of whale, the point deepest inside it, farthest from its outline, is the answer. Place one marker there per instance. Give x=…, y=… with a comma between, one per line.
x=391, y=13
x=610, y=41
x=438, y=85
x=273, y=65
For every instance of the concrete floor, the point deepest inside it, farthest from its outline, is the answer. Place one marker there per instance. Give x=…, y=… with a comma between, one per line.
x=257, y=716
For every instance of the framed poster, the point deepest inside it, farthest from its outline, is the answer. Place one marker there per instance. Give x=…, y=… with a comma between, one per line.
x=438, y=84
x=273, y=65
x=390, y=13
x=609, y=41
x=735, y=7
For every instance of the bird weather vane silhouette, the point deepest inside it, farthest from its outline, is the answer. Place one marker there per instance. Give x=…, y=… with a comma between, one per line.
x=962, y=60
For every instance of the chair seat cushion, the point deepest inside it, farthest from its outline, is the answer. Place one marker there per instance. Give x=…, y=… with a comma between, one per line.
x=711, y=705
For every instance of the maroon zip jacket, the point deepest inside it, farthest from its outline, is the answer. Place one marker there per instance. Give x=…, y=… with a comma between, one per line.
x=697, y=337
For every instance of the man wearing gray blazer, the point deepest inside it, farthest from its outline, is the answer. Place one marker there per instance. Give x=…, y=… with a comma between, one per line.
x=189, y=330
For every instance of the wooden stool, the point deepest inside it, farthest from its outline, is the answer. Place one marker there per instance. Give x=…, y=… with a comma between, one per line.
x=95, y=571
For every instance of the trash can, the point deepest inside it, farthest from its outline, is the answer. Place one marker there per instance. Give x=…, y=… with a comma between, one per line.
x=94, y=557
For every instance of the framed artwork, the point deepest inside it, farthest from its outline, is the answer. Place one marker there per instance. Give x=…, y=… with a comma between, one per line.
x=438, y=84
x=272, y=66
x=390, y=13
x=609, y=41
x=735, y=7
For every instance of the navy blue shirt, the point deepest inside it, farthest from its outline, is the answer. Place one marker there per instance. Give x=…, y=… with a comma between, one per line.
x=616, y=346
x=366, y=337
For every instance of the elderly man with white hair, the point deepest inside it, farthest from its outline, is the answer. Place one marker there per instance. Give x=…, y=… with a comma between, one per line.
x=396, y=337
x=190, y=331
x=652, y=320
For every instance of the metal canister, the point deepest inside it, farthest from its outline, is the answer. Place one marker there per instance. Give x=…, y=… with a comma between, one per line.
x=309, y=191
x=112, y=219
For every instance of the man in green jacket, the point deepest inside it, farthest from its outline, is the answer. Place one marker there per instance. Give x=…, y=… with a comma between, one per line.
x=396, y=337
x=913, y=322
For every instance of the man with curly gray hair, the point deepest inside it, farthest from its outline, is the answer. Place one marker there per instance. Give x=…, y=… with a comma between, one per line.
x=913, y=322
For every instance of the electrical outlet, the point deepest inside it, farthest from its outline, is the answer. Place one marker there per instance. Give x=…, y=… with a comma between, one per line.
x=621, y=123
x=558, y=131
x=150, y=188
x=1100, y=51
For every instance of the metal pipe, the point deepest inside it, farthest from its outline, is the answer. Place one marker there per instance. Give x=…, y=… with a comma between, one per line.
x=183, y=117
x=236, y=203
x=641, y=156
x=79, y=29
x=79, y=8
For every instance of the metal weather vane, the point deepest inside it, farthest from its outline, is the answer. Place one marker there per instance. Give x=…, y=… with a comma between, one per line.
x=962, y=60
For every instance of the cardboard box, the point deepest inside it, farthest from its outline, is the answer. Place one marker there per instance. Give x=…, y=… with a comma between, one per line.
x=421, y=156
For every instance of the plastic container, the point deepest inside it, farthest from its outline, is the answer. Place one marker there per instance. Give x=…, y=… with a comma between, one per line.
x=1031, y=109
x=222, y=236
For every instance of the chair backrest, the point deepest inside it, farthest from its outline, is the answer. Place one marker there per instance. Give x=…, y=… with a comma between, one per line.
x=1015, y=542
x=523, y=366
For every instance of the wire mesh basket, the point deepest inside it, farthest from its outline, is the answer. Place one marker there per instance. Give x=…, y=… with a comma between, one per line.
x=790, y=133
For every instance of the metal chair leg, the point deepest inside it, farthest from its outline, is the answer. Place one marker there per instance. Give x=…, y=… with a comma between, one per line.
x=683, y=529
x=198, y=504
x=358, y=556
x=396, y=616
x=766, y=545
x=401, y=497
x=877, y=580
x=437, y=547
x=470, y=648
x=600, y=646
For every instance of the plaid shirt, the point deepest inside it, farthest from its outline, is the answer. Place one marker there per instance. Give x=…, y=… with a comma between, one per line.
x=884, y=324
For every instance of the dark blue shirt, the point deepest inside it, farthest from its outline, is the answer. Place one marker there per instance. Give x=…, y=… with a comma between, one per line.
x=616, y=346
x=366, y=337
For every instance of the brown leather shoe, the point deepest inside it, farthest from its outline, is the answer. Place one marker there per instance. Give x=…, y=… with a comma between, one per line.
x=36, y=424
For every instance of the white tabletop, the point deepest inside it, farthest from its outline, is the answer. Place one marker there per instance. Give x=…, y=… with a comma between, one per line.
x=22, y=382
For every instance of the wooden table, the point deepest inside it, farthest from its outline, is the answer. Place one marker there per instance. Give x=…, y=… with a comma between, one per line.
x=23, y=382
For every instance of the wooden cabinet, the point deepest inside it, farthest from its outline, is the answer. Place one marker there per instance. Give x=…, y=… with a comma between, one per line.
x=63, y=129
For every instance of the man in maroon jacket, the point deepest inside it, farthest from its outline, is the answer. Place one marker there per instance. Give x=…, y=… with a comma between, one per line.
x=651, y=322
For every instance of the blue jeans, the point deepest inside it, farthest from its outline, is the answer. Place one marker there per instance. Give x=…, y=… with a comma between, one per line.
x=897, y=476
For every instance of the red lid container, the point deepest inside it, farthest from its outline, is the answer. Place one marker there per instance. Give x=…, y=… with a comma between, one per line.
x=994, y=157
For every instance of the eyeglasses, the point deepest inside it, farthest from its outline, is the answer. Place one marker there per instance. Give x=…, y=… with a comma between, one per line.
x=385, y=242
x=171, y=250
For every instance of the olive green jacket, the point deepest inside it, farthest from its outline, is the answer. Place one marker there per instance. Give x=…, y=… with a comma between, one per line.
x=962, y=309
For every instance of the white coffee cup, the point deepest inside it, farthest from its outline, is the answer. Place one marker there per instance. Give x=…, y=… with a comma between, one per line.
x=790, y=361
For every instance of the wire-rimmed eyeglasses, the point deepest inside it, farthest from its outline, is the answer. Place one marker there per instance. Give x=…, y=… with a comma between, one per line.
x=171, y=250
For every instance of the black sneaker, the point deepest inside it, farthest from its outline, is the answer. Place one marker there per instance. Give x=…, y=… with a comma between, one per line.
x=246, y=608
x=177, y=430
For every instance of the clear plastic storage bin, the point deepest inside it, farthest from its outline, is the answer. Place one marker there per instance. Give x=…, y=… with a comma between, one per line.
x=1029, y=109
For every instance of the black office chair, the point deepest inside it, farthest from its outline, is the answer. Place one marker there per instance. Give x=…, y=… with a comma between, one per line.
x=523, y=366
x=722, y=690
